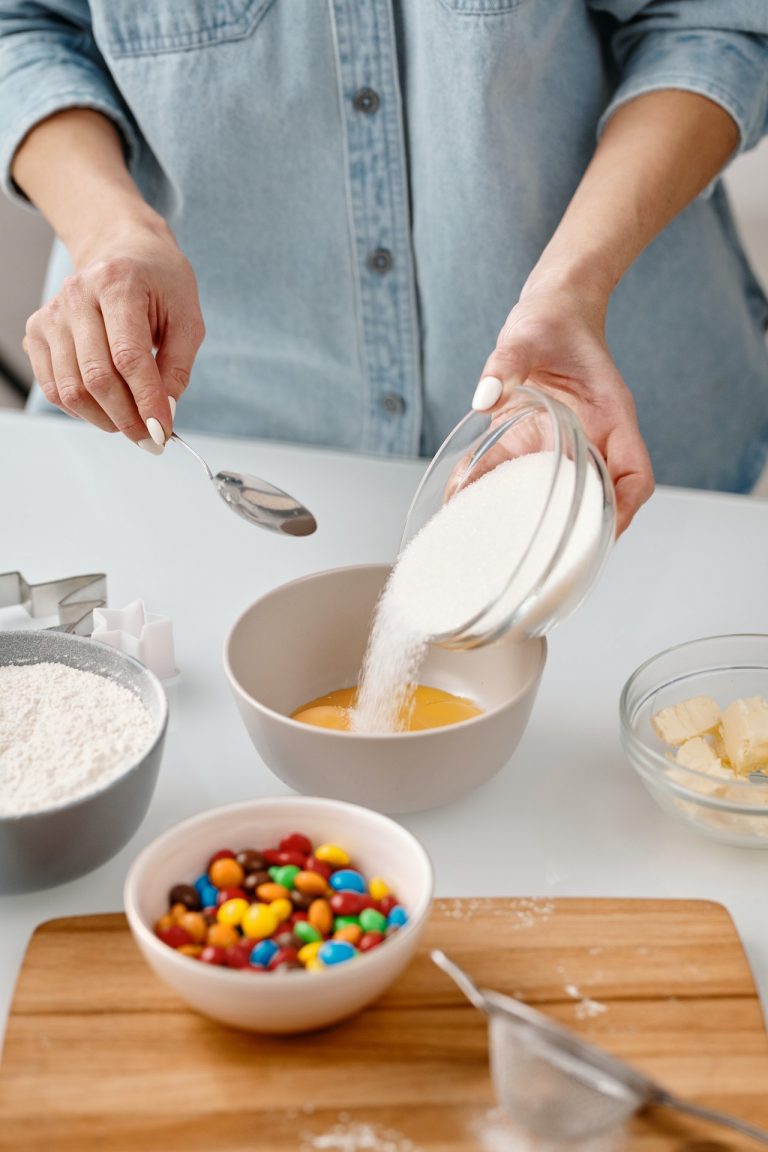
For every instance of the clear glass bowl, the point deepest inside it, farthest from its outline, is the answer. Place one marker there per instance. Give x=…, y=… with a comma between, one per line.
x=569, y=537
x=726, y=668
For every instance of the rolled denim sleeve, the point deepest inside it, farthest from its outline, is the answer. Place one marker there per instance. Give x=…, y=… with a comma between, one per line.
x=716, y=48
x=49, y=61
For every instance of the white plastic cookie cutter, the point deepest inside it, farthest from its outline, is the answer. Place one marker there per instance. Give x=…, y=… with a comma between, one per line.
x=144, y=635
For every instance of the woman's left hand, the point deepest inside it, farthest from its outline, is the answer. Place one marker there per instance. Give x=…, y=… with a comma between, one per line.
x=554, y=338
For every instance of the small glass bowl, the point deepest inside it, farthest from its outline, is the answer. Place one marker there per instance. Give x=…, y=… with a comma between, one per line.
x=726, y=668
x=545, y=586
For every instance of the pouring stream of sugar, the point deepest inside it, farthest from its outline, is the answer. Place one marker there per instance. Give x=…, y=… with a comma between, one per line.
x=484, y=552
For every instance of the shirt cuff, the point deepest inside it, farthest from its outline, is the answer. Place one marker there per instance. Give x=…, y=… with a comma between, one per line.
x=729, y=68
x=42, y=98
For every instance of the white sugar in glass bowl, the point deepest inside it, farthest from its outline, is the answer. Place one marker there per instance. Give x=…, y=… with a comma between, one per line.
x=299, y=1001
x=534, y=551
x=725, y=668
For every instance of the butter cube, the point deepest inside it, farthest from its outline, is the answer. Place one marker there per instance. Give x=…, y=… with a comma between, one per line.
x=745, y=734
x=698, y=754
x=681, y=722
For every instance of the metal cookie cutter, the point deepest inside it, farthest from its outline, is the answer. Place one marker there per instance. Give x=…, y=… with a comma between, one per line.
x=73, y=599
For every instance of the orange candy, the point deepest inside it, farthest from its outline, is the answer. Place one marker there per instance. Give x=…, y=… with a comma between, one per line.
x=320, y=916
x=351, y=933
x=310, y=883
x=226, y=873
x=196, y=924
x=270, y=892
x=222, y=935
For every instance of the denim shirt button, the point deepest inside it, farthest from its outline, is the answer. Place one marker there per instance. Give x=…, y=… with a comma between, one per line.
x=392, y=403
x=366, y=100
x=380, y=260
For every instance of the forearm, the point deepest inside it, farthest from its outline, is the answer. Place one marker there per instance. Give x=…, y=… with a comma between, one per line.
x=657, y=153
x=71, y=166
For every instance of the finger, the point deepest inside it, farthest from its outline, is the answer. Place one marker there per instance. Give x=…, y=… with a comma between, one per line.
x=72, y=393
x=40, y=361
x=629, y=467
x=508, y=366
x=130, y=346
x=103, y=384
x=176, y=355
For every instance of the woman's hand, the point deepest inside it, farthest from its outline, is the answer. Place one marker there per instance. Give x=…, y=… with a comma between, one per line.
x=119, y=339
x=554, y=338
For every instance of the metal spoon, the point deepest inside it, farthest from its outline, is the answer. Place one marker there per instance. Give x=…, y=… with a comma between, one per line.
x=548, y=1049
x=257, y=501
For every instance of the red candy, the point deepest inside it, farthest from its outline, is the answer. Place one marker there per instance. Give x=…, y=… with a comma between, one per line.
x=283, y=956
x=174, y=936
x=237, y=956
x=314, y=865
x=386, y=904
x=370, y=940
x=347, y=903
x=296, y=842
x=230, y=894
x=222, y=854
x=212, y=955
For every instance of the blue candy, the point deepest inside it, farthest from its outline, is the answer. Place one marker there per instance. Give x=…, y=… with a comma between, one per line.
x=336, y=952
x=262, y=953
x=207, y=892
x=347, y=880
x=397, y=917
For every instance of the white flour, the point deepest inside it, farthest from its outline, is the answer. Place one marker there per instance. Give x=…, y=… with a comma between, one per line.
x=459, y=563
x=63, y=734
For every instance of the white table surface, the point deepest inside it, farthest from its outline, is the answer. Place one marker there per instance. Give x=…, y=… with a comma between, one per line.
x=566, y=817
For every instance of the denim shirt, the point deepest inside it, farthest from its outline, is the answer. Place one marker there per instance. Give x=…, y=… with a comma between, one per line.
x=363, y=186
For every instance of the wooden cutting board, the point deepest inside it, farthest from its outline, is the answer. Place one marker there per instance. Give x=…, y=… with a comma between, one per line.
x=100, y=1055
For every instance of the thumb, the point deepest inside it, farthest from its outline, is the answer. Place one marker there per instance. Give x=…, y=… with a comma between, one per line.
x=508, y=366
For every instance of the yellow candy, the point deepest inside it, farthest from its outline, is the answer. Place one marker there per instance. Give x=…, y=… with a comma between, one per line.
x=377, y=888
x=332, y=854
x=282, y=908
x=314, y=964
x=309, y=952
x=259, y=921
x=232, y=911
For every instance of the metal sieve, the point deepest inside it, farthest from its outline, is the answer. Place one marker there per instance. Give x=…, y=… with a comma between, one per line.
x=558, y=1087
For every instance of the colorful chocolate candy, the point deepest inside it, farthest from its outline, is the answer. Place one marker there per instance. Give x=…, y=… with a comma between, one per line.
x=295, y=907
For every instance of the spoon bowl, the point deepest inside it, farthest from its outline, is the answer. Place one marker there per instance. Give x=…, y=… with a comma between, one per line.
x=256, y=500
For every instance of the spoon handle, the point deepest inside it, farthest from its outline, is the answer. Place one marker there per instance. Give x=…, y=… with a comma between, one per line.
x=715, y=1117
x=175, y=436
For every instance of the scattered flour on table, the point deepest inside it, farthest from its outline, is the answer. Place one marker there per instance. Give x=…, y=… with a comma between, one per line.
x=586, y=1007
x=64, y=733
x=351, y=1136
x=477, y=553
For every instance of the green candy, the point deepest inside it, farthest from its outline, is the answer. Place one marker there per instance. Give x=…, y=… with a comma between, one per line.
x=284, y=874
x=372, y=921
x=306, y=932
x=343, y=921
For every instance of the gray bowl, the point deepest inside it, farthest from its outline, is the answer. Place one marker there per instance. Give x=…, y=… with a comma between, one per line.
x=48, y=847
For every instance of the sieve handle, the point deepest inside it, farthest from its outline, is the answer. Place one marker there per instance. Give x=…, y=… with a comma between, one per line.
x=721, y=1118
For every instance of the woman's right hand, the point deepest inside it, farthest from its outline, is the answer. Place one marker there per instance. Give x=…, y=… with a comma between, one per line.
x=120, y=337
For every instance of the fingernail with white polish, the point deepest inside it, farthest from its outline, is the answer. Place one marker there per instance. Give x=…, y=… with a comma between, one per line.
x=487, y=393
x=151, y=447
x=172, y=406
x=155, y=429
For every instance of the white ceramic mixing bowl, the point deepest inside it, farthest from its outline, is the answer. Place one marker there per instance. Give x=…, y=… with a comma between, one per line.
x=308, y=637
